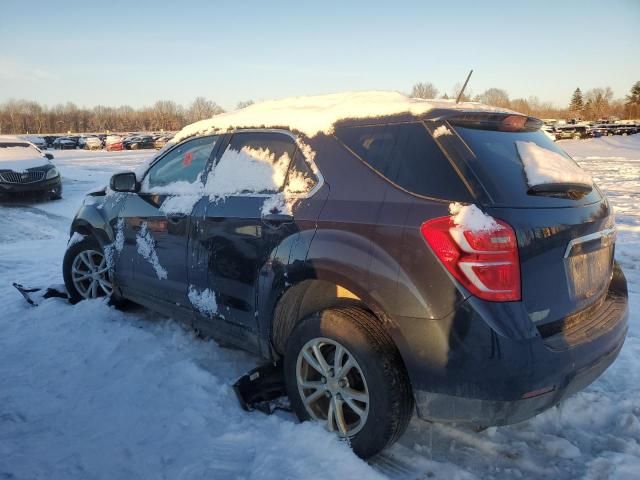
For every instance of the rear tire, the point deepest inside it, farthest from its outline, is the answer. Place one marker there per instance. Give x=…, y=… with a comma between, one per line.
x=372, y=397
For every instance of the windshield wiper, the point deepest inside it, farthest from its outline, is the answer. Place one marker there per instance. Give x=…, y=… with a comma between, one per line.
x=571, y=190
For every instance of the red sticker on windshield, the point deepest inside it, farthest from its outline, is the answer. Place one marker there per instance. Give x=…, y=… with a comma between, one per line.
x=186, y=161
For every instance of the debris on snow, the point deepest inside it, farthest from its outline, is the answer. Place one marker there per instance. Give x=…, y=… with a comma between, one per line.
x=471, y=218
x=543, y=166
x=204, y=301
x=146, y=248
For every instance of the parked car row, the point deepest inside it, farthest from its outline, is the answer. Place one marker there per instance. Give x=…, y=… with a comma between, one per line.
x=99, y=141
x=576, y=132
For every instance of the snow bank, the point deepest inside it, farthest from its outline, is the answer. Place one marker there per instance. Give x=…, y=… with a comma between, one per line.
x=544, y=166
x=317, y=114
x=471, y=218
x=147, y=248
x=204, y=301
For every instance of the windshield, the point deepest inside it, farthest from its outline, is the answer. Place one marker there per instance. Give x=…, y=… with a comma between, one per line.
x=14, y=144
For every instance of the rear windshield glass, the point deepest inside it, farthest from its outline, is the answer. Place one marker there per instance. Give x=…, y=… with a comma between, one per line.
x=499, y=168
x=407, y=155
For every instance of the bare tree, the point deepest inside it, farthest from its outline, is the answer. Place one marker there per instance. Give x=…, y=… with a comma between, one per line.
x=466, y=96
x=424, y=90
x=202, y=108
x=495, y=97
x=244, y=104
x=597, y=103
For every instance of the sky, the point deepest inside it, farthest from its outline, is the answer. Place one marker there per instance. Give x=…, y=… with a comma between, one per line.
x=120, y=52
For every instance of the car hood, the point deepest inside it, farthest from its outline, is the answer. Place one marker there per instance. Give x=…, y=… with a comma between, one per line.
x=23, y=163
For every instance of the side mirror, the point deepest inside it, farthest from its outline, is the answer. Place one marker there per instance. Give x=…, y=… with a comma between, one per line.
x=124, y=182
x=49, y=156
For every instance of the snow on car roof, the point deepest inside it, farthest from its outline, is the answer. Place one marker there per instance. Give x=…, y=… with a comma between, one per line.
x=312, y=115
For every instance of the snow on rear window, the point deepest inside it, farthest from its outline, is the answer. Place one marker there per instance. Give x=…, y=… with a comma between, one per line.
x=544, y=166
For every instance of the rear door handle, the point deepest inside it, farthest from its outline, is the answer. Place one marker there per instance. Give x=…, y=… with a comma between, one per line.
x=176, y=217
x=276, y=219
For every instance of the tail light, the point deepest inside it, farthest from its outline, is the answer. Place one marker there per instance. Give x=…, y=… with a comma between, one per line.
x=486, y=262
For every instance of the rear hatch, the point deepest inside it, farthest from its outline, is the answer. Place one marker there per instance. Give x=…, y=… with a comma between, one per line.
x=563, y=223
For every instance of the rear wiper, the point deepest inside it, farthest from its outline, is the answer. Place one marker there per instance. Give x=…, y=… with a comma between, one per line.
x=560, y=188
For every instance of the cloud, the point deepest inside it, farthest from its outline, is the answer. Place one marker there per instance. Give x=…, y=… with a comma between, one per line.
x=12, y=69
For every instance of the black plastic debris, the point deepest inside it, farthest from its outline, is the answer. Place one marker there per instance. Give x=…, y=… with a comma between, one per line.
x=263, y=389
x=35, y=295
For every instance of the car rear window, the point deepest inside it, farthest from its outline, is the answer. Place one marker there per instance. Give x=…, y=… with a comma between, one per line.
x=407, y=155
x=499, y=168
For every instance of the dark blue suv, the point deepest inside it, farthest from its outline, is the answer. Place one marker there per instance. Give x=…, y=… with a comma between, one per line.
x=398, y=263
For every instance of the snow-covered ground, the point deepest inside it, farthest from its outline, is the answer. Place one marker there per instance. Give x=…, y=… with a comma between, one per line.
x=90, y=392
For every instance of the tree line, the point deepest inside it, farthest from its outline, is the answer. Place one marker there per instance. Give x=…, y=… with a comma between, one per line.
x=24, y=116
x=595, y=104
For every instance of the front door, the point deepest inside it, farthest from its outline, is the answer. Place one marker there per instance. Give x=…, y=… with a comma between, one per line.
x=157, y=221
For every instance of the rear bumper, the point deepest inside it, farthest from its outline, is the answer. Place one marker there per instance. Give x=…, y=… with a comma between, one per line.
x=41, y=186
x=466, y=368
x=449, y=408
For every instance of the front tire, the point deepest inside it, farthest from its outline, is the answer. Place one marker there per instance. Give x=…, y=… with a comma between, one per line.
x=85, y=270
x=342, y=369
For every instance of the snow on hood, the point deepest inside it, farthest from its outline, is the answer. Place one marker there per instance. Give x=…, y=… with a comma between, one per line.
x=544, y=166
x=21, y=158
x=318, y=114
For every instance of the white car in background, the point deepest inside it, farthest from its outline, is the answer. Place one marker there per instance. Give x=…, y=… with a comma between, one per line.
x=90, y=143
x=24, y=168
x=38, y=141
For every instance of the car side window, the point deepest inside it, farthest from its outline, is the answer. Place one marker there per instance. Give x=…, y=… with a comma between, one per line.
x=406, y=154
x=253, y=163
x=301, y=178
x=185, y=163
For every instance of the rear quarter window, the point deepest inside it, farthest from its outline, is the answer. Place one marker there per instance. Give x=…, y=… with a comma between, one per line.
x=407, y=155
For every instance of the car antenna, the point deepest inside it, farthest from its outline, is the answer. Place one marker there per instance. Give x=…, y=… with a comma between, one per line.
x=464, y=86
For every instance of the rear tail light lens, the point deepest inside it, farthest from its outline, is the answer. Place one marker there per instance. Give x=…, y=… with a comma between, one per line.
x=486, y=262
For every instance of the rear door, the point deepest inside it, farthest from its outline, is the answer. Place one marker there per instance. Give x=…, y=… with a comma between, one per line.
x=239, y=227
x=565, y=232
x=157, y=220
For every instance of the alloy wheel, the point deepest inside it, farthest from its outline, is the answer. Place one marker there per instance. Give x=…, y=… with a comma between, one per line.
x=332, y=386
x=90, y=274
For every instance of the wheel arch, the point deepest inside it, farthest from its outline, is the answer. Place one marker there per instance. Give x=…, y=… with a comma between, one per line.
x=314, y=295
